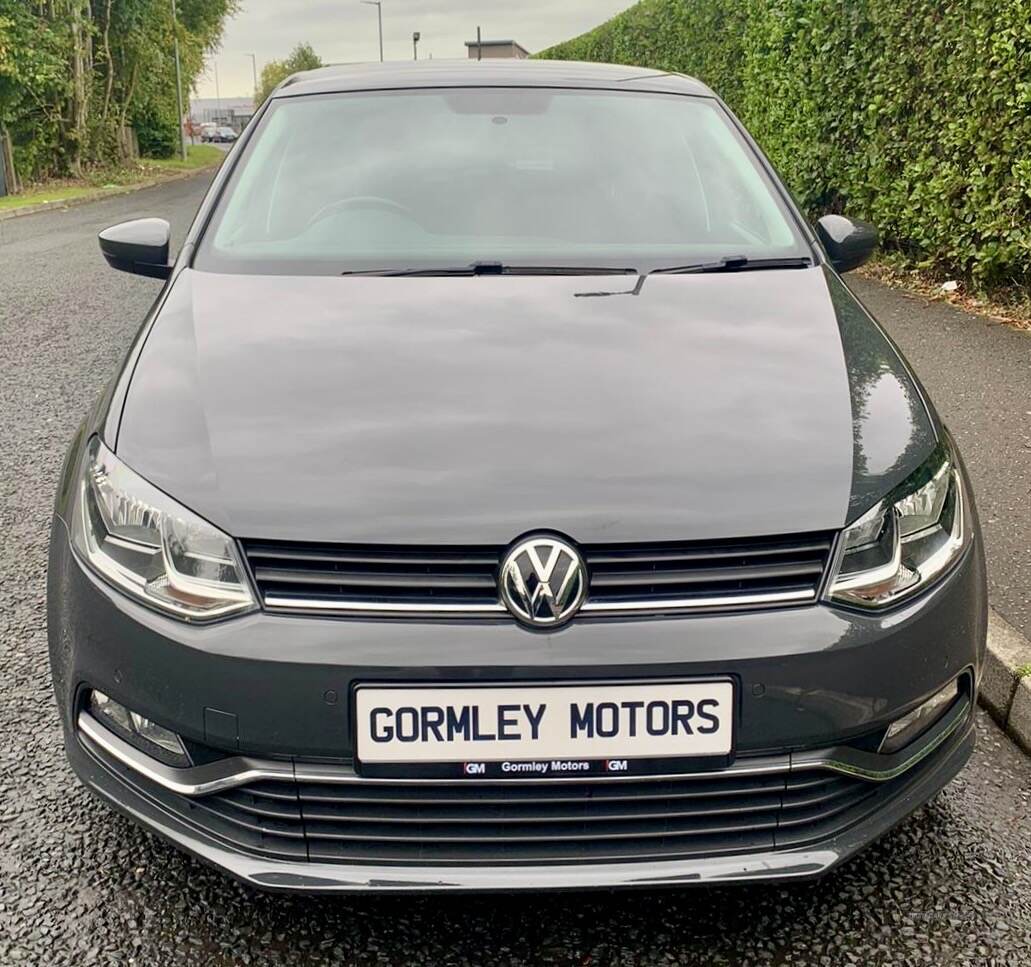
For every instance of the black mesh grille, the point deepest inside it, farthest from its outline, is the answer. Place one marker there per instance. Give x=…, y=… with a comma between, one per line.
x=525, y=822
x=696, y=572
x=338, y=574
x=716, y=575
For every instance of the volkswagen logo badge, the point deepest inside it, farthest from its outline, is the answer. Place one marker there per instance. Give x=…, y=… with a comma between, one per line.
x=543, y=581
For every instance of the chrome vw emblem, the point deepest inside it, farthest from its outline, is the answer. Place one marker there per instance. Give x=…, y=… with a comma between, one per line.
x=543, y=581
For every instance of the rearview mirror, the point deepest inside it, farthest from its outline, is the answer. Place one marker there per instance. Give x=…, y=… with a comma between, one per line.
x=848, y=241
x=139, y=246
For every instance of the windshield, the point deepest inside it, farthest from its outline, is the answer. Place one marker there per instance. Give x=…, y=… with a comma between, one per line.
x=515, y=176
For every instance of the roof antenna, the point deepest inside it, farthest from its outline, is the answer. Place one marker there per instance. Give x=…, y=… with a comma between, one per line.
x=479, y=48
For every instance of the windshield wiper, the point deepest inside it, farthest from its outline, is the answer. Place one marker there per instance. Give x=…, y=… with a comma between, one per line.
x=441, y=270
x=496, y=268
x=731, y=263
x=735, y=263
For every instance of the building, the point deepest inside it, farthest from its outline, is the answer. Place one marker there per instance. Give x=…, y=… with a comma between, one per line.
x=493, y=49
x=230, y=112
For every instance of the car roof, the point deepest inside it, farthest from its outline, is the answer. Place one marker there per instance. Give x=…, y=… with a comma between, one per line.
x=398, y=75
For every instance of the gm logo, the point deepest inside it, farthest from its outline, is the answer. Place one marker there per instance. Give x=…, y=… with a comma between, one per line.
x=615, y=765
x=474, y=768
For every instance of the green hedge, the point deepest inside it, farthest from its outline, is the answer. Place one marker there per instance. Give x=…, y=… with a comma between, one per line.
x=913, y=114
x=157, y=130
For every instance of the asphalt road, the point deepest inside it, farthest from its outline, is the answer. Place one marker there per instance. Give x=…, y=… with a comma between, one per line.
x=79, y=885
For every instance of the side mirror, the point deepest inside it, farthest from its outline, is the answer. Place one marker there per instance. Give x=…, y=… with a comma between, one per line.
x=140, y=247
x=848, y=241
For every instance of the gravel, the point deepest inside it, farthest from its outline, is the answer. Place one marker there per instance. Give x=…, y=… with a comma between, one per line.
x=80, y=885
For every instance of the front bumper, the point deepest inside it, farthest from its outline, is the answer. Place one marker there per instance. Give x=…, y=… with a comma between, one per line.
x=942, y=754
x=809, y=680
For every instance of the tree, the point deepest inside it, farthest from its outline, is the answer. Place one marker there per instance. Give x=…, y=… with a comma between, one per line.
x=34, y=83
x=302, y=58
x=74, y=73
x=141, y=37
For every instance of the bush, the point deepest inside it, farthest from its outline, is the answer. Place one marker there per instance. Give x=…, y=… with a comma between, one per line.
x=916, y=115
x=157, y=131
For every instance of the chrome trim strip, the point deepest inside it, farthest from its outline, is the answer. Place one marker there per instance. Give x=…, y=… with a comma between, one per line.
x=380, y=607
x=343, y=775
x=687, y=604
x=196, y=781
x=876, y=766
x=240, y=770
x=655, y=606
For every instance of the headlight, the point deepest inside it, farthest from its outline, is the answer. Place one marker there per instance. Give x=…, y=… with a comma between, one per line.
x=907, y=541
x=156, y=551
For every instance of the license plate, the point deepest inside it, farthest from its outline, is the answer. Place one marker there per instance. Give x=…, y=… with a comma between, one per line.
x=541, y=730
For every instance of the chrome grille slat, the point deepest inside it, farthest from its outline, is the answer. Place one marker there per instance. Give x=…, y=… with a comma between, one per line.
x=461, y=581
x=637, y=554
x=376, y=579
x=602, y=579
x=350, y=555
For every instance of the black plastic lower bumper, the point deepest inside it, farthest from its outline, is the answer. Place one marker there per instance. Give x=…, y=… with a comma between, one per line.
x=802, y=844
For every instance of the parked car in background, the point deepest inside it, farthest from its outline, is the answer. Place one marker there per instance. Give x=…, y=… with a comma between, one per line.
x=507, y=492
x=225, y=135
x=208, y=130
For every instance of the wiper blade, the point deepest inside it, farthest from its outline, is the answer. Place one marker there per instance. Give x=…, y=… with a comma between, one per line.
x=735, y=263
x=489, y=268
x=439, y=270
x=495, y=268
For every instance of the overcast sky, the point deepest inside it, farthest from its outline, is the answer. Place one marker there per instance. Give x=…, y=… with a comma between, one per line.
x=345, y=30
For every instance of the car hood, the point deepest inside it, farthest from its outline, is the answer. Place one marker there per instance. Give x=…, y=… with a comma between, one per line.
x=473, y=410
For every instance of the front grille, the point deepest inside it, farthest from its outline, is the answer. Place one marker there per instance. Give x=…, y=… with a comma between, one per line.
x=706, y=574
x=376, y=579
x=662, y=578
x=524, y=822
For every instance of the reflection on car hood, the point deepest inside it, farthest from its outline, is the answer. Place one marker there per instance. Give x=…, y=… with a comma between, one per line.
x=473, y=410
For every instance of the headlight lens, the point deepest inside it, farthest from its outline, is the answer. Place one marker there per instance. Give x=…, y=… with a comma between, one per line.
x=152, y=548
x=906, y=542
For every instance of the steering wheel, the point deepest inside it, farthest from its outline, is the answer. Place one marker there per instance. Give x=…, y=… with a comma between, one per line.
x=360, y=201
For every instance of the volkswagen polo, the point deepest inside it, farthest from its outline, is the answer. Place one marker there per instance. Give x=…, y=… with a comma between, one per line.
x=506, y=492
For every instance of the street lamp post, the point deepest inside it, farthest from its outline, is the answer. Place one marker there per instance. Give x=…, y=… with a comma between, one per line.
x=178, y=81
x=378, y=4
x=254, y=71
x=415, y=44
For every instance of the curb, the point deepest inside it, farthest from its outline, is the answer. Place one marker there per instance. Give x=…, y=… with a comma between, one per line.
x=1005, y=692
x=102, y=193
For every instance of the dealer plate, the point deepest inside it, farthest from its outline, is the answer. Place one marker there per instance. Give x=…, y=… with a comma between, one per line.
x=542, y=729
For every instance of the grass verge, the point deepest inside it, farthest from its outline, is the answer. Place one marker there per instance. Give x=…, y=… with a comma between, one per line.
x=112, y=180
x=197, y=156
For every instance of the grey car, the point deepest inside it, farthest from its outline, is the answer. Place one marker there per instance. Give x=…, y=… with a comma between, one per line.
x=506, y=492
